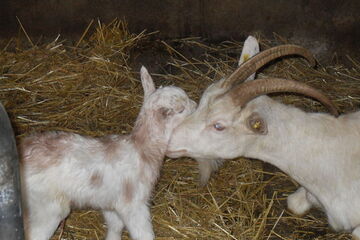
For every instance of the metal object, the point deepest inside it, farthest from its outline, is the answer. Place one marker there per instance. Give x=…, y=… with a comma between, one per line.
x=11, y=222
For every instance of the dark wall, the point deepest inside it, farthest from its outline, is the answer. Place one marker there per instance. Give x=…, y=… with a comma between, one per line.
x=324, y=26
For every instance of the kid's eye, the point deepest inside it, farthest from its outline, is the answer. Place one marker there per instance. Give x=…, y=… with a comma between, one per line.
x=219, y=126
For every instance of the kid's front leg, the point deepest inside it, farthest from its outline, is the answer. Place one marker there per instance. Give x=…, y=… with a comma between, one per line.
x=137, y=219
x=114, y=224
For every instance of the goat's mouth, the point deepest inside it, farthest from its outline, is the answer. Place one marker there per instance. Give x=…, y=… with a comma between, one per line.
x=177, y=153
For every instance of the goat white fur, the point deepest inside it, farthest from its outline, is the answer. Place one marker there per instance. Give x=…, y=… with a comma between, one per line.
x=319, y=151
x=114, y=174
x=208, y=164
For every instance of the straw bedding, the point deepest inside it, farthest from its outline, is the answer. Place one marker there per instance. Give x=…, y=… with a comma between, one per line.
x=92, y=87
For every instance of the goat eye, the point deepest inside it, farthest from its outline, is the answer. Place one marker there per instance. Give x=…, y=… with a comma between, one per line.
x=219, y=126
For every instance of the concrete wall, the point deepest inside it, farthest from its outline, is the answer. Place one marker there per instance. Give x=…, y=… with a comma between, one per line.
x=324, y=26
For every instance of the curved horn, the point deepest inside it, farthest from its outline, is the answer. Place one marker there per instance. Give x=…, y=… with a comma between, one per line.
x=253, y=64
x=245, y=92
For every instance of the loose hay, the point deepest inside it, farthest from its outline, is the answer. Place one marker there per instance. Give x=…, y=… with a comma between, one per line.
x=92, y=87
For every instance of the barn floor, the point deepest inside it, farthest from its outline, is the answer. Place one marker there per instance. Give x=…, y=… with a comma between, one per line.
x=91, y=86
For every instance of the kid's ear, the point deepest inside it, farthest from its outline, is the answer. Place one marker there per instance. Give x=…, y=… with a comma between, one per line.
x=165, y=112
x=147, y=82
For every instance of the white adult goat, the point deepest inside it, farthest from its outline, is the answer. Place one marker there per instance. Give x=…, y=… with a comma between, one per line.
x=115, y=174
x=319, y=151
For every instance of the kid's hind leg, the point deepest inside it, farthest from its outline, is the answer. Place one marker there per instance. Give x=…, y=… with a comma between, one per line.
x=114, y=224
x=44, y=218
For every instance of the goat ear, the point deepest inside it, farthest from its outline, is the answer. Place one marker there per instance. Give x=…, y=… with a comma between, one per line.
x=147, y=82
x=257, y=124
x=250, y=48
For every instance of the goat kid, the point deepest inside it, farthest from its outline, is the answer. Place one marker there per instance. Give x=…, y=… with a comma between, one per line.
x=115, y=173
x=321, y=152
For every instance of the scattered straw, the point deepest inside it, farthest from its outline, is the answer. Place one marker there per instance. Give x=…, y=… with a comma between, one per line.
x=24, y=31
x=93, y=88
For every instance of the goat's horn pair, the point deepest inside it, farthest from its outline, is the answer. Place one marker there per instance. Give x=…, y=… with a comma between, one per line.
x=253, y=64
x=245, y=92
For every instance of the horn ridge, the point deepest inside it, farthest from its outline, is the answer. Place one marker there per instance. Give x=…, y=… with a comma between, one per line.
x=245, y=92
x=259, y=60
